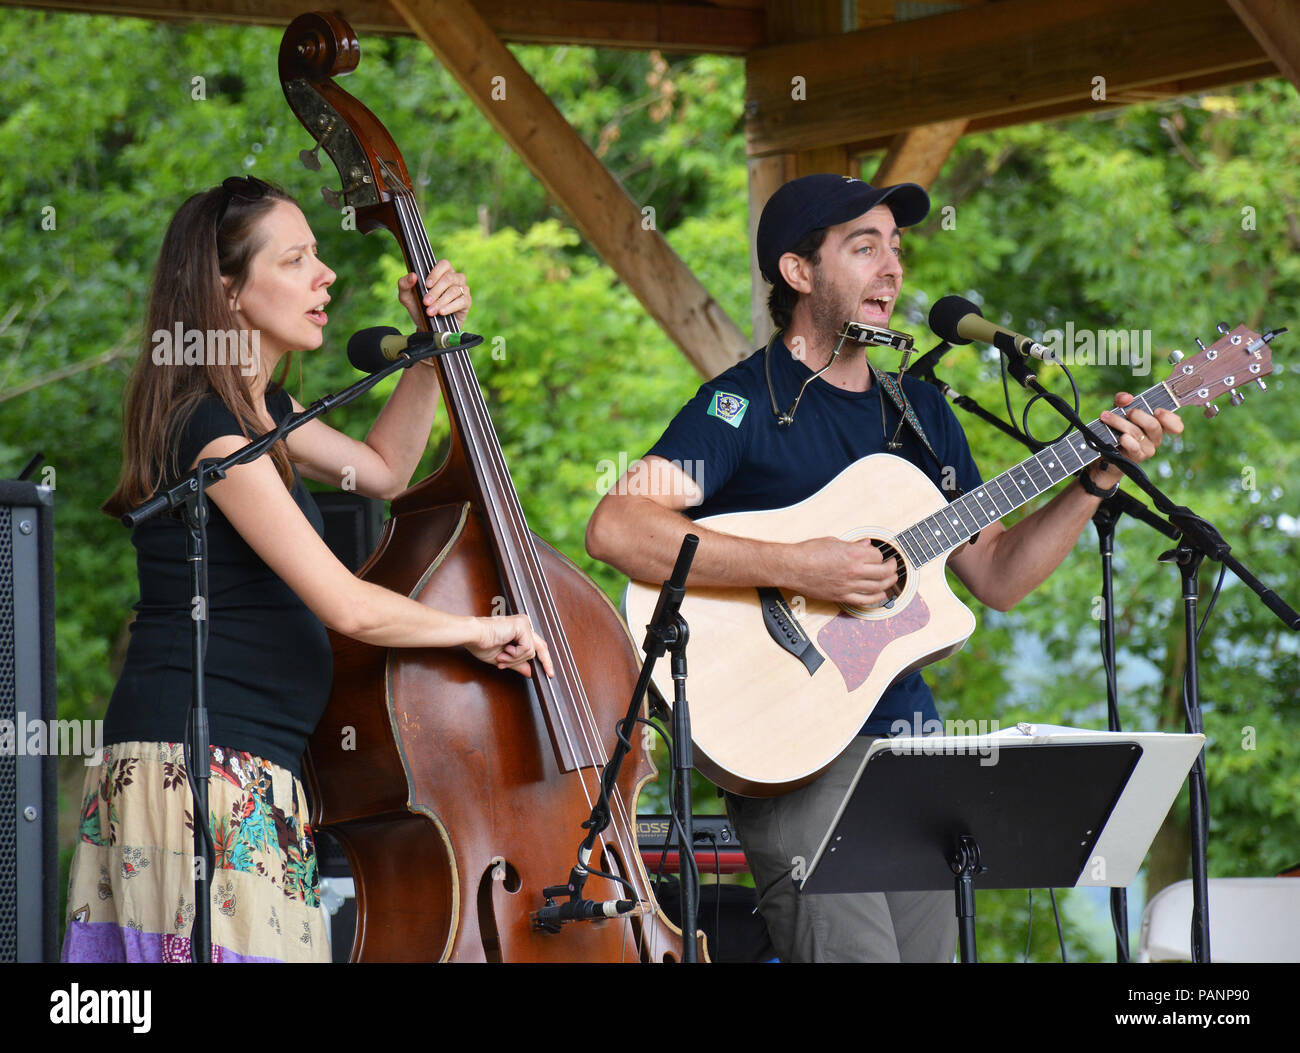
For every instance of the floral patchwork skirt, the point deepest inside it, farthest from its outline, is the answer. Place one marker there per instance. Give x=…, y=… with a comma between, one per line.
x=131, y=891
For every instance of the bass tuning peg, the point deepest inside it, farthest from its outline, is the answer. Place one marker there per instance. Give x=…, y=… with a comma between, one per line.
x=1237, y=398
x=1211, y=411
x=333, y=198
x=311, y=158
x=1222, y=328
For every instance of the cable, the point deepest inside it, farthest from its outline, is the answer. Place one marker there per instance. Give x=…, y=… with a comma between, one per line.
x=1023, y=428
x=1056, y=911
x=1030, y=935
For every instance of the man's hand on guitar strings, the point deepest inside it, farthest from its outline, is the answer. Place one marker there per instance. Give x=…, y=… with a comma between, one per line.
x=852, y=572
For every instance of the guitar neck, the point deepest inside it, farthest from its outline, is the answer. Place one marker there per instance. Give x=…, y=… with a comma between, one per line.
x=937, y=535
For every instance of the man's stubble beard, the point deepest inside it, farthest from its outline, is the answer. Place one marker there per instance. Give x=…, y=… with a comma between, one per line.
x=830, y=307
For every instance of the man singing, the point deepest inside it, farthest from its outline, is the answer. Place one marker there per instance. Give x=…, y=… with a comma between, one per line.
x=830, y=246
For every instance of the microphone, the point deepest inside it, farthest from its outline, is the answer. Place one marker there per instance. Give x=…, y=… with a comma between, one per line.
x=581, y=910
x=959, y=321
x=370, y=350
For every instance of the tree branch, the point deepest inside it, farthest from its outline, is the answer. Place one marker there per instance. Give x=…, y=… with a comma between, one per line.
x=117, y=351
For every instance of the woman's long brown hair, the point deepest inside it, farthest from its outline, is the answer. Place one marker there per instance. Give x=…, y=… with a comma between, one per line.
x=188, y=289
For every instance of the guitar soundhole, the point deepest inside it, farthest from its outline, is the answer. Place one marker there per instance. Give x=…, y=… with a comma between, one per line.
x=888, y=552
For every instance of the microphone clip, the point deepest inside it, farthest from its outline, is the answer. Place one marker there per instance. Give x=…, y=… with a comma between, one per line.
x=431, y=343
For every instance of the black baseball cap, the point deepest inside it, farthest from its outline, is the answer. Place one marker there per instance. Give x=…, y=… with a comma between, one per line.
x=810, y=202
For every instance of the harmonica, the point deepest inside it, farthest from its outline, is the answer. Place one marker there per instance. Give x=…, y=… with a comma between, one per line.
x=870, y=334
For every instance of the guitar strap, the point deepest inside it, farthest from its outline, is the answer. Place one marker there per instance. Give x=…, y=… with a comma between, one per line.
x=894, y=389
x=887, y=383
x=895, y=392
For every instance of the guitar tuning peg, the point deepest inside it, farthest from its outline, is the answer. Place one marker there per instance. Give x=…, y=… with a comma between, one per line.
x=1223, y=328
x=1262, y=385
x=1237, y=398
x=1211, y=412
x=1175, y=357
x=332, y=198
x=1199, y=344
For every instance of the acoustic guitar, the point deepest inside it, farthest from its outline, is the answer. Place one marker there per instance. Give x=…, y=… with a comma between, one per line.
x=780, y=685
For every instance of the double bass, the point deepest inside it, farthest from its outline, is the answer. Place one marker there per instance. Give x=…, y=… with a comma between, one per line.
x=458, y=792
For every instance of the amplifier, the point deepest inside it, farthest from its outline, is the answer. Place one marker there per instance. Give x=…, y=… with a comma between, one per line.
x=353, y=524
x=29, y=871
x=717, y=848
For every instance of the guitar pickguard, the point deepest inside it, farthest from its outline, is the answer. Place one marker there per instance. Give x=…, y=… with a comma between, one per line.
x=854, y=644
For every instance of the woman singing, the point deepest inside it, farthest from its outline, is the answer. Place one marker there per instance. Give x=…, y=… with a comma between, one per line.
x=240, y=259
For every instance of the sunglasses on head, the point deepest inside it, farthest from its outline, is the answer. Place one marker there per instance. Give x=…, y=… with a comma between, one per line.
x=246, y=188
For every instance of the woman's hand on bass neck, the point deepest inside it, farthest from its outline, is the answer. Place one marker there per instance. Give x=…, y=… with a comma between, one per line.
x=448, y=294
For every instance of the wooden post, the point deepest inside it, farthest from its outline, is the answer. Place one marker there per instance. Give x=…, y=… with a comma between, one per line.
x=790, y=20
x=766, y=174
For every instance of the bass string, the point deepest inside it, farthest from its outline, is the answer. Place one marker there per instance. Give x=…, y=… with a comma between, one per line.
x=482, y=448
x=534, y=587
x=532, y=579
x=505, y=497
x=509, y=512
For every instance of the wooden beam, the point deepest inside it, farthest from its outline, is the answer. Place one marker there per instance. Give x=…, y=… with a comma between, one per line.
x=917, y=156
x=616, y=226
x=804, y=19
x=724, y=27
x=1276, y=25
x=1001, y=58
x=1262, y=70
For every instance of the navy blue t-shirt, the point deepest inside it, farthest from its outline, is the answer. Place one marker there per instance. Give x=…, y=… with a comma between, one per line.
x=268, y=666
x=727, y=439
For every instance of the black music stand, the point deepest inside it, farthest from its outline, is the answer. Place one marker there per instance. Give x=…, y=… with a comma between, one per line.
x=1031, y=808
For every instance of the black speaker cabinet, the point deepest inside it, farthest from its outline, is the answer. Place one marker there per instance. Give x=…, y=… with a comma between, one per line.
x=29, y=870
x=352, y=525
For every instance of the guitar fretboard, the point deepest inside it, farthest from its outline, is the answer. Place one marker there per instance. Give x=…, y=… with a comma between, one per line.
x=940, y=533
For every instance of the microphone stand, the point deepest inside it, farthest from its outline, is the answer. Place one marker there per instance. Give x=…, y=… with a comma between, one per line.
x=1199, y=539
x=190, y=496
x=666, y=632
x=1105, y=520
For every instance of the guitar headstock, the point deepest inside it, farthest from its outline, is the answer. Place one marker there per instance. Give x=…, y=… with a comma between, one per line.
x=1239, y=357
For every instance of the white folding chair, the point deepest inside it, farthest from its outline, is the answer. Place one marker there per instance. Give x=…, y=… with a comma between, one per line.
x=1251, y=920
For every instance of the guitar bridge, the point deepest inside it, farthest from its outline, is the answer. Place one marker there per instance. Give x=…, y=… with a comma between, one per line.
x=785, y=630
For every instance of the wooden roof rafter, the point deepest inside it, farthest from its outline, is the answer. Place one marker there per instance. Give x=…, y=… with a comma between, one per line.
x=997, y=64
x=715, y=26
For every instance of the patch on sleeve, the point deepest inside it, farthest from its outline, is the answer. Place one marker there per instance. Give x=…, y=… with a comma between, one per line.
x=728, y=408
